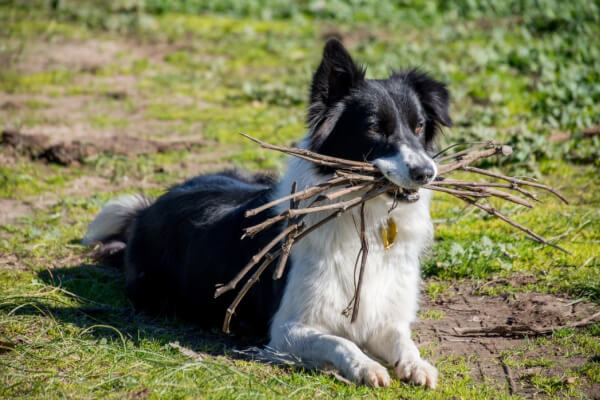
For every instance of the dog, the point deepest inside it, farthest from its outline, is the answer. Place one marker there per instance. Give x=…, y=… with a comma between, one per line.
x=178, y=248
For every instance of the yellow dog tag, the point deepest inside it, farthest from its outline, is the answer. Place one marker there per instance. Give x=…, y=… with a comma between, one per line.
x=388, y=233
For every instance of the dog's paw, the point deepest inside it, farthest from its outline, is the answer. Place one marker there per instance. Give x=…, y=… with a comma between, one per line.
x=372, y=374
x=417, y=371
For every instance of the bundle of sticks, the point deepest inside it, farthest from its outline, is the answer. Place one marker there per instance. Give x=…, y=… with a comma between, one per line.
x=367, y=182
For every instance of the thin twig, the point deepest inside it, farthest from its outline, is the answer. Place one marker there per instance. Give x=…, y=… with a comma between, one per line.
x=319, y=158
x=301, y=195
x=370, y=195
x=515, y=180
x=511, y=186
x=231, y=309
x=254, y=229
x=353, y=176
x=469, y=158
x=347, y=190
x=523, y=330
x=364, y=248
x=289, y=240
x=477, y=146
x=455, y=192
x=502, y=195
x=492, y=211
x=253, y=261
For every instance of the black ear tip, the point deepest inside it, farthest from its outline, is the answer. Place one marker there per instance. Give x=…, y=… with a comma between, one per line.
x=334, y=40
x=334, y=46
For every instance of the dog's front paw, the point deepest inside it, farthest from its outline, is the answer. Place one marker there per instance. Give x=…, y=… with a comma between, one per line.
x=417, y=371
x=371, y=374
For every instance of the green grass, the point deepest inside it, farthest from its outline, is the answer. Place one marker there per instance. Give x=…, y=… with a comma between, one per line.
x=518, y=70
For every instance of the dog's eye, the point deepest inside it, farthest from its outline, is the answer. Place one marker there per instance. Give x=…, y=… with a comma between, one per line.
x=374, y=128
x=419, y=127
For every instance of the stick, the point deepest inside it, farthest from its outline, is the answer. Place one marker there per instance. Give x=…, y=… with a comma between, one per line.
x=353, y=176
x=370, y=195
x=445, y=168
x=516, y=181
x=289, y=240
x=522, y=330
x=455, y=192
x=253, y=261
x=285, y=253
x=320, y=158
x=364, y=243
x=503, y=195
x=492, y=211
x=343, y=205
x=511, y=186
x=456, y=155
x=254, y=229
x=348, y=190
x=301, y=195
x=231, y=309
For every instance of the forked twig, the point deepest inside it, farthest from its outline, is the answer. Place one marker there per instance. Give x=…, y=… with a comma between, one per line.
x=516, y=181
x=254, y=260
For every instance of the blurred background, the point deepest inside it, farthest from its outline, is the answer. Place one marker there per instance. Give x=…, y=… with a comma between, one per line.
x=525, y=71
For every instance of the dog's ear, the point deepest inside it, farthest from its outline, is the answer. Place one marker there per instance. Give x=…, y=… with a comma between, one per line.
x=434, y=97
x=336, y=76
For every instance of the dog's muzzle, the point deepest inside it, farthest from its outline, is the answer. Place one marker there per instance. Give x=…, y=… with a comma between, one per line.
x=409, y=170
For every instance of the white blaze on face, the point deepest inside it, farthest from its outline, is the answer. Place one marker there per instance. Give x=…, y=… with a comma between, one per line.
x=397, y=167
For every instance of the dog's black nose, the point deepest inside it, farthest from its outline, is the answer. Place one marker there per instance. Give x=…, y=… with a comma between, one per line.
x=421, y=174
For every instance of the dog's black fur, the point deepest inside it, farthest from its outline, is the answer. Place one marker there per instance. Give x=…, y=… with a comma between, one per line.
x=188, y=241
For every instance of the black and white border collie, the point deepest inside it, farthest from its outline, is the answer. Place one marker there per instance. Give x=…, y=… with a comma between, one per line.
x=179, y=247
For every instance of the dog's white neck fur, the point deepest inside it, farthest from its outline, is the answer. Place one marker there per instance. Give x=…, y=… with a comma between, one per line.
x=322, y=279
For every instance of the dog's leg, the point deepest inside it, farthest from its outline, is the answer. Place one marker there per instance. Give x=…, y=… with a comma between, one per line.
x=395, y=346
x=319, y=349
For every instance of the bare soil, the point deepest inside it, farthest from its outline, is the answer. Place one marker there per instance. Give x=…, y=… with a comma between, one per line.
x=39, y=147
x=11, y=209
x=462, y=308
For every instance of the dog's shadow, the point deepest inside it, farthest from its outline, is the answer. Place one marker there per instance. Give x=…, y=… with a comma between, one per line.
x=102, y=310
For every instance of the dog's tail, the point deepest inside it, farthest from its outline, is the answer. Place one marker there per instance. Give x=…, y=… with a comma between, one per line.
x=111, y=227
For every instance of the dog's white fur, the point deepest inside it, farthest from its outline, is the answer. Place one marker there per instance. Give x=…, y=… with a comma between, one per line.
x=309, y=323
x=114, y=216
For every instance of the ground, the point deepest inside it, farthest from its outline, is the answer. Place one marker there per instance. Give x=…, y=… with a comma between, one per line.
x=103, y=98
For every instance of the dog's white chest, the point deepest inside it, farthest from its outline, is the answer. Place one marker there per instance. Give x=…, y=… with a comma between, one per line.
x=324, y=272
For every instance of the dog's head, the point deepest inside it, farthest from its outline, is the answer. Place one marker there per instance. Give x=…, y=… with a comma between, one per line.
x=391, y=122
